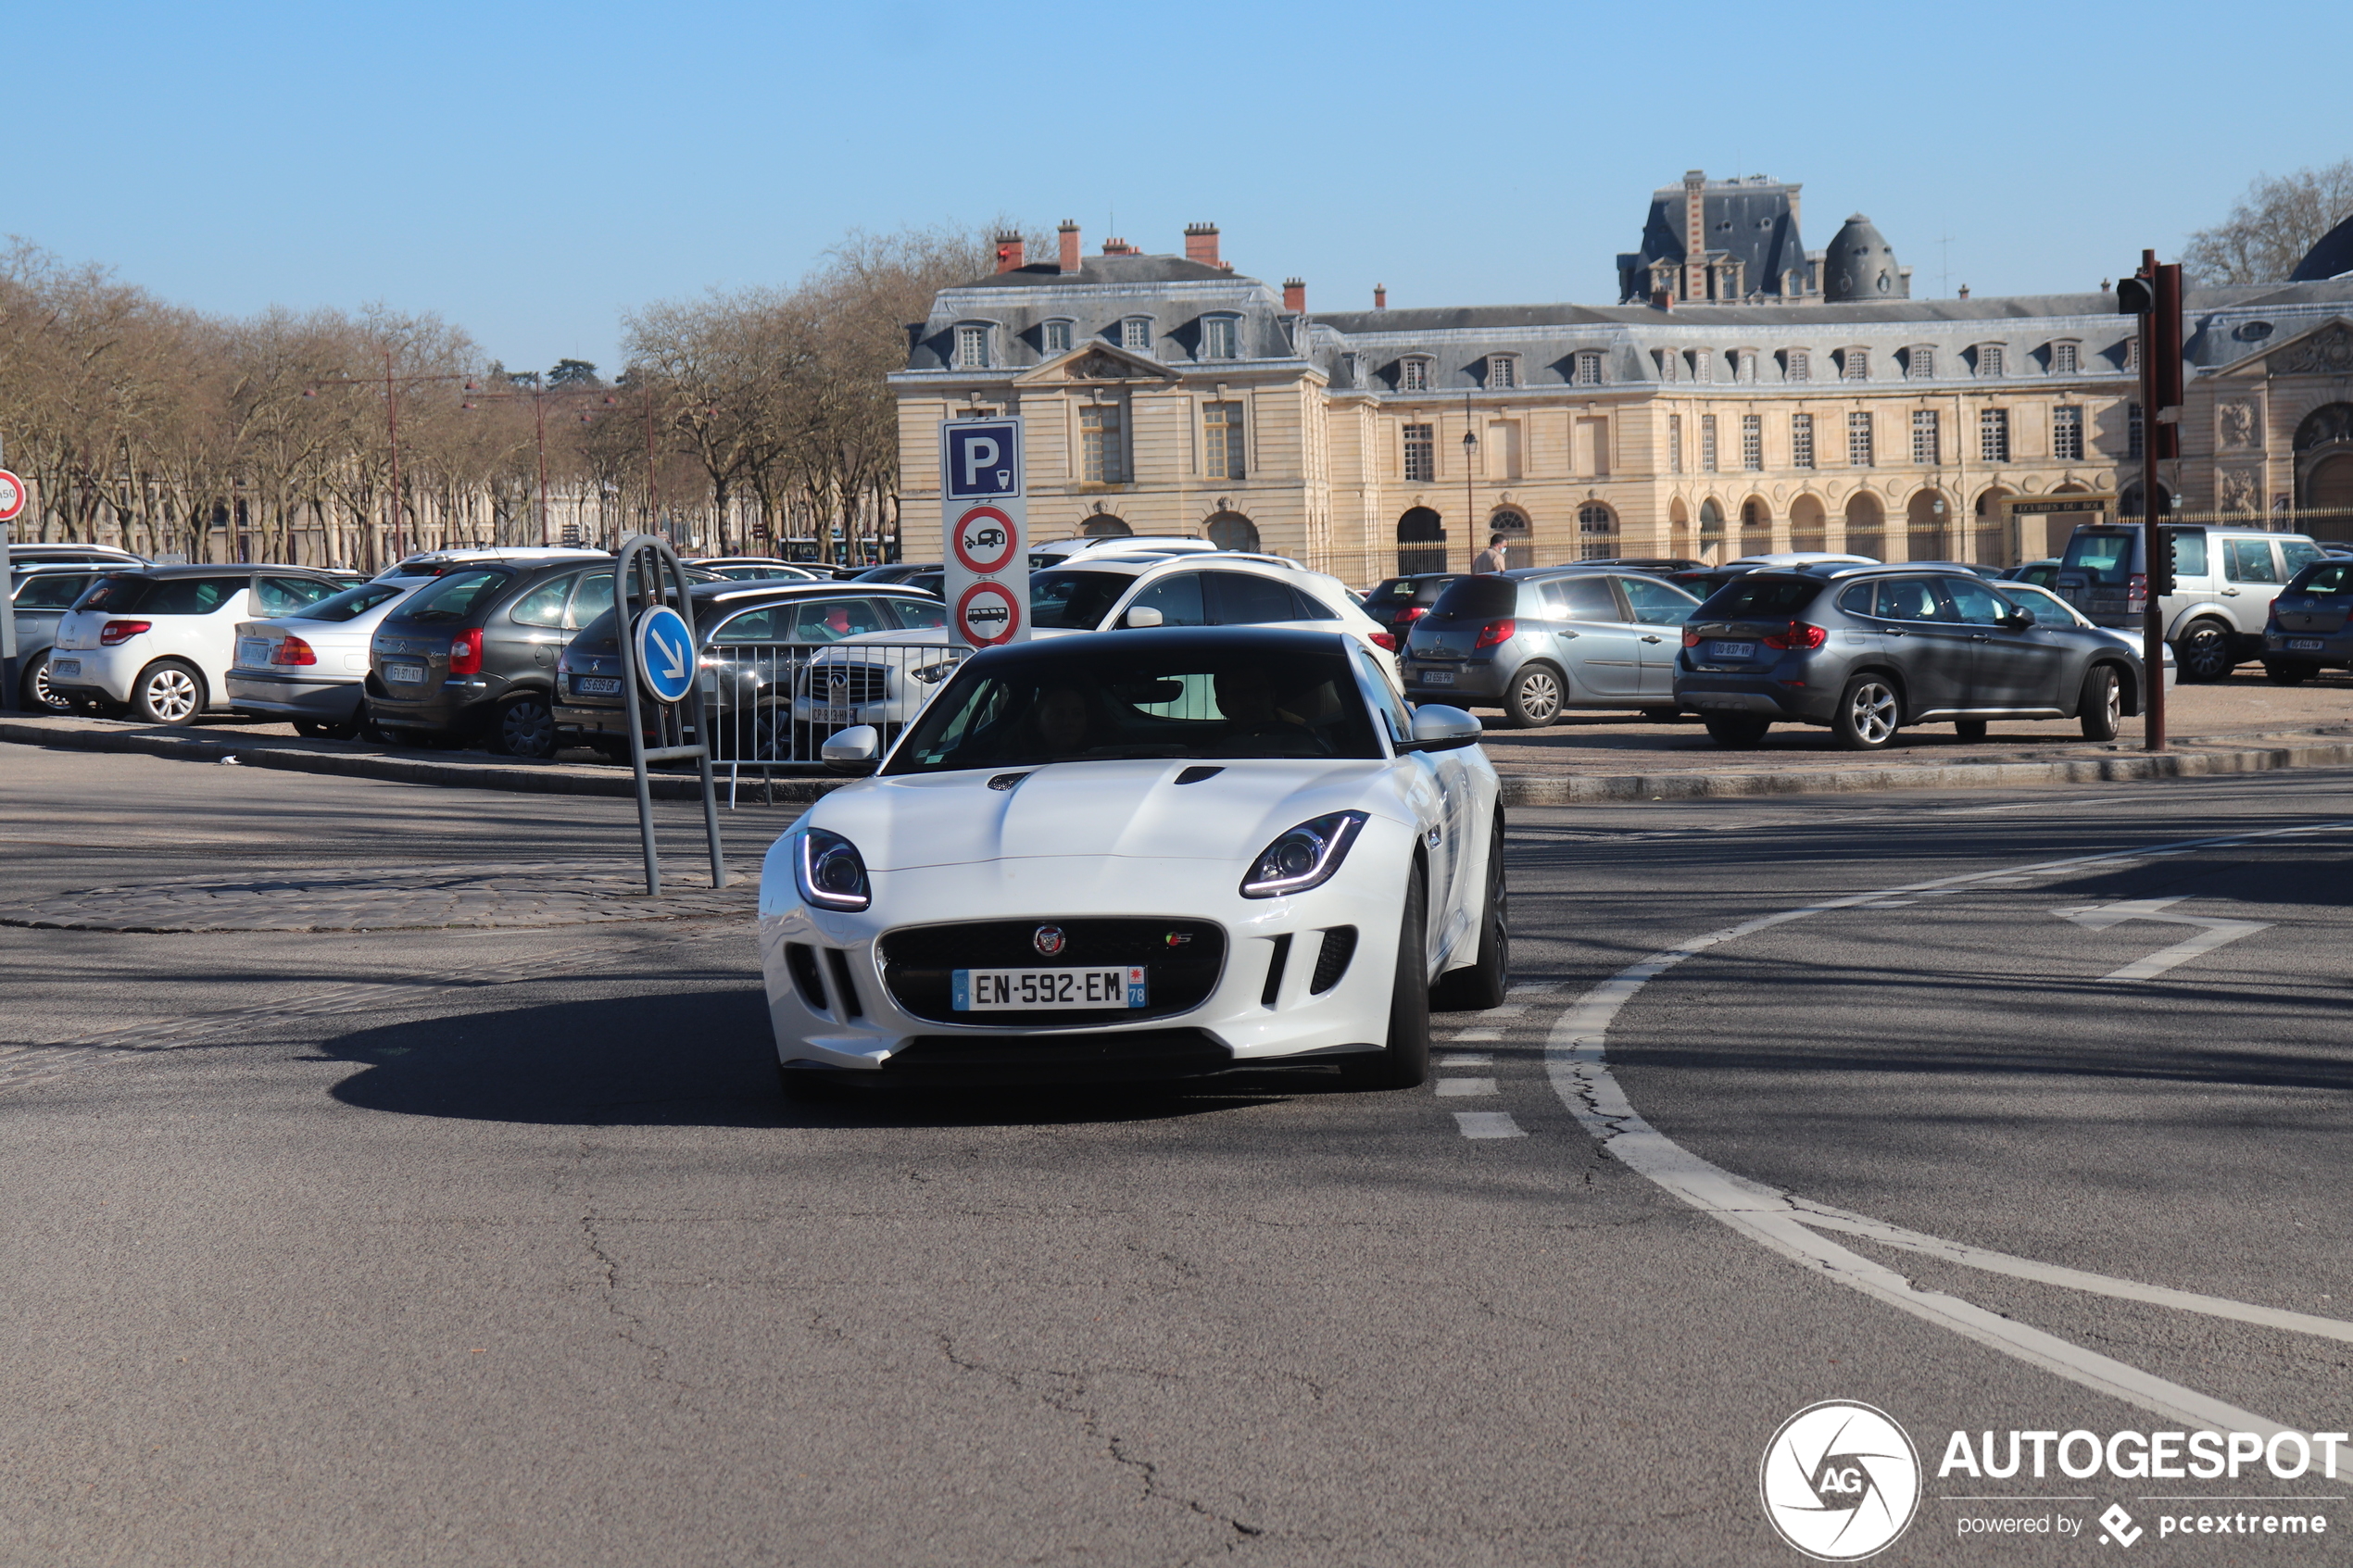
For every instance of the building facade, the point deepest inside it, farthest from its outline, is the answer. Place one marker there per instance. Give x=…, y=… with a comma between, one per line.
x=1169, y=393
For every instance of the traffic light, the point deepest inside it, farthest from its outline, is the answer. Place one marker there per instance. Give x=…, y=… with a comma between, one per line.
x=2135, y=296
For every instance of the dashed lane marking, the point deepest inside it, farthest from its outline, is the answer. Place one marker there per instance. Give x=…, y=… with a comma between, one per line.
x=1464, y=1089
x=1489, y=1124
x=1466, y=1059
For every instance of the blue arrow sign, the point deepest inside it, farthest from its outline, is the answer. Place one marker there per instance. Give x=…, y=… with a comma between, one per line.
x=665, y=654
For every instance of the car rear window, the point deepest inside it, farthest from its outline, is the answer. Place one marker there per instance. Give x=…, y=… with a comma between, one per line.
x=456, y=597
x=1477, y=599
x=164, y=596
x=350, y=603
x=2324, y=577
x=2103, y=556
x=1761, y=594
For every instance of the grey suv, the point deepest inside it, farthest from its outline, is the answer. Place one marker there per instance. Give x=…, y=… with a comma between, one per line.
x=2224, y=580
x=1868, y=650
x=1541, y=639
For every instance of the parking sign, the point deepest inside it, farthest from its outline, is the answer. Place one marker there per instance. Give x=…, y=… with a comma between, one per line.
x=984, y=522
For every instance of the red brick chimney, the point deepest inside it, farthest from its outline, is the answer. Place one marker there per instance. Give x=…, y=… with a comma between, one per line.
x=1295, y=295
x=1012, y=252
x=1381, y=296
x=1694, y=234
x=1070, y=246
x=1201, y=244
x=1119, y=247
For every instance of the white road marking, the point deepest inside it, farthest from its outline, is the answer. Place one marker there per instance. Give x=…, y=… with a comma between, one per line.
x=2100, y=917
x=1478, y=1033
x=1888, y=904
x=1466, y=1059
x=1489, y=1124
x=1459, y=1088
x=1575, y=1060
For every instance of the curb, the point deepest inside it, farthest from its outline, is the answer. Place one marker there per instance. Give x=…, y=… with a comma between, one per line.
x=310, y=756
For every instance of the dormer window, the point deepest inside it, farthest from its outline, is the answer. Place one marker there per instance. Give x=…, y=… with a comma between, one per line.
x=1703, y=364
x=1221, y=337
x=2064, y=358
x=971, y=347
x=1587, y=369
x=1136, y=333
x=1990, y=359
x=1801, y=365
x=1744, y=364
x=1503, y=371
x=1857, y=365
x=1056, y=336
x=1412, y=374
x=1921, y=364
x=1670, y=365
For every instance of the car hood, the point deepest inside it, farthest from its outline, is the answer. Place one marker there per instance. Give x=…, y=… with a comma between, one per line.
x=1133, y=809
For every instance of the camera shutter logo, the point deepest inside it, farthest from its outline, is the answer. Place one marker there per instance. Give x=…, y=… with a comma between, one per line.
x=1840, y=1481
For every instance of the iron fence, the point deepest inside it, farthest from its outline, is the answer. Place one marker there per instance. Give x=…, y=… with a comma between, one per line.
x=773, y=706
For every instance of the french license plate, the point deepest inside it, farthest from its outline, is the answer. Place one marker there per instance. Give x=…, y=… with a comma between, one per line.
x=252, y=652
x=2308, y=644
x=998, y=990
x=64, y=667
x=596, y=685
x=1731, y=650
x=405, y=675
x=1436, y=677
x=831, y=715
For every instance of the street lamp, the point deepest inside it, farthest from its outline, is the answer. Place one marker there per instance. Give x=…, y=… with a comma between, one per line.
x=1470, y=450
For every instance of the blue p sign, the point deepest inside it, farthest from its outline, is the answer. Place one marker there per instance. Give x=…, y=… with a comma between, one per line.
x=982, y=459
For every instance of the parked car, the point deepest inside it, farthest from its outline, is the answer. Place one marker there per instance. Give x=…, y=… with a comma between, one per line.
x=33, y=553
x=2310, y=627
x=41, y=594
x=474, y=656
x=1101, y=592
x=1803, y=557
x=756, y=638
x=1178, y=852
x=2224, y=580
x=758, y=568
x=160, y=640
x=1868, y=650
x=1657, y=566
x=2043, y=573
x=1708, y=580
x=436, y=563
x=1058, y=551
x=309, y=668
x=926, y=575
x=1398, y=602
x=2052, y=611
x=1537, y=641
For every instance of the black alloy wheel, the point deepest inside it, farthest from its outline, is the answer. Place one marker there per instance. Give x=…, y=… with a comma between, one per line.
x=1403, y=1061
x=2101, y=709
x=2203, y=652
x=1481, y=985
x=1736, y=731
x=525, y=727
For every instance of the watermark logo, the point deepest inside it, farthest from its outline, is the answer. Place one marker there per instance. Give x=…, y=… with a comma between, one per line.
x=2119, y=1525
x=1840, y=1481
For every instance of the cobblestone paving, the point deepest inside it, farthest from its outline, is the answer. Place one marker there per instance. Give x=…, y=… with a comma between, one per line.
x=432, y=897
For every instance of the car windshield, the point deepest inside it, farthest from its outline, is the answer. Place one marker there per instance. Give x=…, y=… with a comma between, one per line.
x=2047, y=607
x=1075, y=601
x=1059, y=703
x=1766, y=594
x=456, y=597
x=351, y=602
x=1477, y=599
x=2104, y=558
x=2329, y=577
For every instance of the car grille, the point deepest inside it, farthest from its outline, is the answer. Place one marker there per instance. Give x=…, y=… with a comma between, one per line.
x=1185, y=958
x=842, y=686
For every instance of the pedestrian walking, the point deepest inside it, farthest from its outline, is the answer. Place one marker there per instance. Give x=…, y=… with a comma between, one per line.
x=1490, y=559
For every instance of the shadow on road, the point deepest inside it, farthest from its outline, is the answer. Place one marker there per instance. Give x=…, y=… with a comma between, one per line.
x=704, y=1059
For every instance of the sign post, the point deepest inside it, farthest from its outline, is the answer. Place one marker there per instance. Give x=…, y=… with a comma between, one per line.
x=985, y=522
x=12, y=495
x=661, y=663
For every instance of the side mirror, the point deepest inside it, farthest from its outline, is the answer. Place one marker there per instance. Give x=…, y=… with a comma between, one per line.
x=1142, y=617
x=2019, y=619
x=854, y=750
x=1440, y=728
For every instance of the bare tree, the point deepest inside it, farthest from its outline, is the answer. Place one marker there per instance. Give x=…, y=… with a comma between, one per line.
x=2271, y=226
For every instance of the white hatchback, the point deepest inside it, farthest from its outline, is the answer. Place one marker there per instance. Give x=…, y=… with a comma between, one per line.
x=1101, y=593
x=160, y=640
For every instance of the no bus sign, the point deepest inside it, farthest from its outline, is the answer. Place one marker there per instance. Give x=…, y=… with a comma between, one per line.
x=983, y=521
x=11, y=497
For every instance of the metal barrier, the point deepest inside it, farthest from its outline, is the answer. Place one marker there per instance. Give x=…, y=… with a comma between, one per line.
x=773, y=706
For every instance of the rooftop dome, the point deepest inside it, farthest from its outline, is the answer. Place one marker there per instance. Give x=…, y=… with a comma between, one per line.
x=1860, y=264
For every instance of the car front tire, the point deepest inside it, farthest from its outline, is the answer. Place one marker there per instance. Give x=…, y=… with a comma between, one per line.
x=2203, y=652
x=1403, y=1062
x=1481, y=985
x=1533, y=699
x=1868, y=714
x=2101, y=709
x=167, y=692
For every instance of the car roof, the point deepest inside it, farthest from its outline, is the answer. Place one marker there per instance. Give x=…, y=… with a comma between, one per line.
x=1256, y=639
x=219, y=569
x=800, y=588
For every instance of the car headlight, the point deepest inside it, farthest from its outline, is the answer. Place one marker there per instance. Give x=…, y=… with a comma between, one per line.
x=1305, y=856
x=830, y=872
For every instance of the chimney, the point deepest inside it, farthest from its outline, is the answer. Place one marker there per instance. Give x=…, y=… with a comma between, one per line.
x=1694, y=234
x=1381, y=296
x=1963, y=290
x=1201, y=244
x=1070, y=246
x=1295, y=295
x=1661, y=299
x=1012, y=252
x=1119, y=247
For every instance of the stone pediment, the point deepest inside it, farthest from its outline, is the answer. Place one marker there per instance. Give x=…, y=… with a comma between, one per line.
x=1098, y=362
x=2326, y=350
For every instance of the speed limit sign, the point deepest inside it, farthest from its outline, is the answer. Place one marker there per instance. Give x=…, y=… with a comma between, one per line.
x=11, y=497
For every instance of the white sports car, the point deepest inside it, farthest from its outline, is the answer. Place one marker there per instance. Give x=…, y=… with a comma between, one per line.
x=1160, y=854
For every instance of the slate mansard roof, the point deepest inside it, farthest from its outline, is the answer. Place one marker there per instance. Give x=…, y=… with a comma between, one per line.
x=1752, y=221
x=1174, y=295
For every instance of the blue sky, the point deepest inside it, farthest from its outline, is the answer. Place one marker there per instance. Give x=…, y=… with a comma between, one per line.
x=531, y=171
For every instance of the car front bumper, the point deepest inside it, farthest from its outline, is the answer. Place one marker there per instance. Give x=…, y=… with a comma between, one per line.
x=1235, y=1024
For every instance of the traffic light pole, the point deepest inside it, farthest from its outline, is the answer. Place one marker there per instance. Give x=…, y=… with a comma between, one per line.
x=2154, y=539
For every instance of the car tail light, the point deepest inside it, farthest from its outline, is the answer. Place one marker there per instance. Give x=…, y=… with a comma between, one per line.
x=1496, y=632
x=1382, y=639
x=1691, y=636
x=1800, y=635
x=117, y=632
x=293, y=650
x=2136, y=590
x=465, y=652
x=1413, y=612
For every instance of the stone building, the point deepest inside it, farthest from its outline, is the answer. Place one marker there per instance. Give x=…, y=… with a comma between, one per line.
x=1171, y=393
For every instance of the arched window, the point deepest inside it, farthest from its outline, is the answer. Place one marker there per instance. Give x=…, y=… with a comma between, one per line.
x=1866, y=526
x=1596, y=532
x=1924, y=528
x=1756, y=526
x=1809, y=527
x=1421, y=542
x=1231, y=530
x=1102, y=525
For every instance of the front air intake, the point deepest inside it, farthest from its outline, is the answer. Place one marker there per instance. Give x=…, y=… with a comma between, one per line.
x=1331, y=961
x=801, y=961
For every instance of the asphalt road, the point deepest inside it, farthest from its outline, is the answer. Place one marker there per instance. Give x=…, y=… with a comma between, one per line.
x=507, y=1253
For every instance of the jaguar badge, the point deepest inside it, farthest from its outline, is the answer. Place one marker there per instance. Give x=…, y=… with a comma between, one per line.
x=1047, y=939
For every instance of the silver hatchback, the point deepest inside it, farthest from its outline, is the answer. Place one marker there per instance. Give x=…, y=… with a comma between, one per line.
x=1541, y=640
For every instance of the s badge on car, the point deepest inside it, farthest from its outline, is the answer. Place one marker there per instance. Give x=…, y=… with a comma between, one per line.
x=1178, y=938
x=1047, y=939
